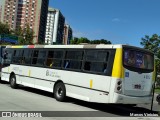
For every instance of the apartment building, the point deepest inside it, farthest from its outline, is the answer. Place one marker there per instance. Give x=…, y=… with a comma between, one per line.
x=22, y=12
x=67, y=36
x=54, y=27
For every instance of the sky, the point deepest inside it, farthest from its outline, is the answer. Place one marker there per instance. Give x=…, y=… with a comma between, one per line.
x=119, y=21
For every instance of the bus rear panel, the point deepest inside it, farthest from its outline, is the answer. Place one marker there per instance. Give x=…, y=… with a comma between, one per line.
x=135, y=77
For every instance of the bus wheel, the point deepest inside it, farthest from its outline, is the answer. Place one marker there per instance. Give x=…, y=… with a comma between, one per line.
x=60, y=92
x=13, y=82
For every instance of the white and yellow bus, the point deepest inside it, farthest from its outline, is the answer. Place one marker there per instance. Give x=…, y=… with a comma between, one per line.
x=95, y=73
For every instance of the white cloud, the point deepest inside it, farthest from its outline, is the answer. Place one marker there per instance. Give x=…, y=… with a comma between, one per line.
x=115, y=20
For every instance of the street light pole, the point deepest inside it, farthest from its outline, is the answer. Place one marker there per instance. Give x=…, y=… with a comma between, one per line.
x=153, y=91
x=156, y=75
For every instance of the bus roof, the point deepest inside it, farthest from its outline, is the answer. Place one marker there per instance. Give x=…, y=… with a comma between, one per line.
x=87, y=46
x=111, y=46
x=67, y=46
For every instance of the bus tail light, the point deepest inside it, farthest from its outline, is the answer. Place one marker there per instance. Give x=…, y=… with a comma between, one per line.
x=118, y=88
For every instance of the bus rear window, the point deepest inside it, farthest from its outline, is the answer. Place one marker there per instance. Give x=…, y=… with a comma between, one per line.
x=138, y=59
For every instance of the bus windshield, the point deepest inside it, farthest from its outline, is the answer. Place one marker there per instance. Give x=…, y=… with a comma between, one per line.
x=138, y=59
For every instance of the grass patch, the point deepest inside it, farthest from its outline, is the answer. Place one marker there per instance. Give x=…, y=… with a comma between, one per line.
x=157, y=90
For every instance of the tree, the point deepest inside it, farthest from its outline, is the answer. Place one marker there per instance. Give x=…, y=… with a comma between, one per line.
x=25, y=36
x=19, y=32
x=28, y=35
x=83, y=40
x=102, y=41
x=74, y=40
x=153, y=44
x=4, y=29
x=86, y=40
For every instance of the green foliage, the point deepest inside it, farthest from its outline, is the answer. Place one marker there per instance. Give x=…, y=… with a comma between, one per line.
x=82, y=40
x=18, y=31
x=157, y=90
x=25, y=36
x=4, y=29
x=102, y=41
x=86, y=40
x=74, y=41
x=153, y=44
x=28, y=35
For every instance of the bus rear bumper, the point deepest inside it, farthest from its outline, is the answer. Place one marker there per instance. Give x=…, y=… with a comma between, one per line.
x=119, y=98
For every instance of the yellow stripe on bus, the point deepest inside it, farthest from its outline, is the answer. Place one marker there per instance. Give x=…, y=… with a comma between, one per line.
x=118, y=69
x=29, y=73
x=91, y=83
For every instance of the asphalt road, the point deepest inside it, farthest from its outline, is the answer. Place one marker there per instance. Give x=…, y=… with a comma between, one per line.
x=29, y=99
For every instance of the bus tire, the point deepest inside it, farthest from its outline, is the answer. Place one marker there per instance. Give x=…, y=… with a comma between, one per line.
x=13, y=83
x=60, y=92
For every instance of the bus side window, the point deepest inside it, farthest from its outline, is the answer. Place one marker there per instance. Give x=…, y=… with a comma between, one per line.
x=87, y=66
x=41, y=58
x=23, y=60
x=49, y=61
x=105, y=68
x=96, y=61
x=18, y=56
x=54, y=59
x=66, y=64
x=35, y=56
x=27, y=56
x=73, y=59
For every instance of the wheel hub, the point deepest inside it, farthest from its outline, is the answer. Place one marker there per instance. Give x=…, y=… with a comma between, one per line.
x=60, y=91
x=12, y=81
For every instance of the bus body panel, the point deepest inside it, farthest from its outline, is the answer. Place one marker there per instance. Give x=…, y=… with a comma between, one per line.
x=136, y=87
x=126, y=99
x=87, y=87
x=137, y=84
x=5, y=74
